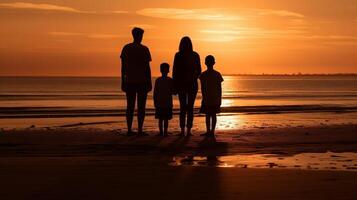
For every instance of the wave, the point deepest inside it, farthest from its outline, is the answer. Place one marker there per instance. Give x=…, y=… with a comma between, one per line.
x=20, y=97
x=58, y=112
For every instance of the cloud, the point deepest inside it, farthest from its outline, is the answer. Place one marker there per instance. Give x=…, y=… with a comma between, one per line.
x=234, y=33
x=187, y=14
x=332, y=37
x=86, y=35
x=214, y=14
x=32, y=6
x=53, y=7
x=103, y=36
x=65, y=34
x=115, y=12
x=144, y=26
x=281, y=13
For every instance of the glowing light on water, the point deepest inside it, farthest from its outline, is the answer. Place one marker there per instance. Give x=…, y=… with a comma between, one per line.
x=309, y=161
x=230, y=122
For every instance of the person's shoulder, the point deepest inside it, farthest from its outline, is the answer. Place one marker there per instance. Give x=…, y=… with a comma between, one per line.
x=178, y=54
x=167, y=79
x=143, y=47
x=128, y=45
x=217, y=72
x=203, y=74
x=196, y=54
x=218, y=75
x=158, y=79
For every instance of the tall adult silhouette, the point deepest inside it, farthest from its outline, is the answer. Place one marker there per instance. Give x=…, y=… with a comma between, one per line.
x=136, y=78
x=186, y=70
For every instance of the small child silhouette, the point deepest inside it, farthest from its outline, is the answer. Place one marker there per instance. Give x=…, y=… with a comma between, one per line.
x=163, y=92
x=211, y=88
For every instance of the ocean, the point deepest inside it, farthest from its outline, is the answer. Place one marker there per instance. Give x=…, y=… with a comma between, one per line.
x=67, y=97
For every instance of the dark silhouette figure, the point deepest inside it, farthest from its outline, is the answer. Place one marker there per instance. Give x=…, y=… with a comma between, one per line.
x=136, y=78
x=163, y=92
x=211, y=87
x=186, y=70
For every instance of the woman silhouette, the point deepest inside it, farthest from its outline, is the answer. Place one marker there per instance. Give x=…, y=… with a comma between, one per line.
x=186, y=70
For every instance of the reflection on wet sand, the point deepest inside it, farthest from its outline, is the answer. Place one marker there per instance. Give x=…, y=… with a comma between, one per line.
x=309, y=161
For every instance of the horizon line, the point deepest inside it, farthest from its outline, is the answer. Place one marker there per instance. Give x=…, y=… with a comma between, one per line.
x=262, y=74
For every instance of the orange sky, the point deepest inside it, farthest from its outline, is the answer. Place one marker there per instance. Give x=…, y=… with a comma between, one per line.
x=85, y=37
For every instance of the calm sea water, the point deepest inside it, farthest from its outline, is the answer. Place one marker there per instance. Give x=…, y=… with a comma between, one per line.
x=46, y=96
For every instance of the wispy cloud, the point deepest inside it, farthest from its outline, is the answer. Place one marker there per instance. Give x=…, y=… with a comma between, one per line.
x=53, y=7
x=42, y=6
x=332, y=37
x=281, y=13
x=86, y=35
x=144, y=26
x=103, y=36
x=118, y=12
x=65, y=34
x=214, y=14
x=234, y=33
x=187, y=14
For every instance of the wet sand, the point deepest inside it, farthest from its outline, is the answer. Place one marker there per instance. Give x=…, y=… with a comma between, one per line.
x=83, y=163
x=149, y=177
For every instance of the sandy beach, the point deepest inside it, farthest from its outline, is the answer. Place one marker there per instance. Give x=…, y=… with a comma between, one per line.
x=281, y=137
x=178, y=100
x=90, y=163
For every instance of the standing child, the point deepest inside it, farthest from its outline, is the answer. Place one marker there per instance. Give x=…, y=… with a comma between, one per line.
x=211, y=95
x=163, y=99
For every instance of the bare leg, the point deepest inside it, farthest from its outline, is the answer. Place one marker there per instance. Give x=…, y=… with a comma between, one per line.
x=160, y=126
x=166, y=125
x=208, y=123
x=183, y=107
x=214, y=122
x=130, y=105
x=190, y=104
x=141, y=110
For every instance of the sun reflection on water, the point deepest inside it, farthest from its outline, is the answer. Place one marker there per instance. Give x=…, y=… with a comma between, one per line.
x=310, y=161
x=230, y=122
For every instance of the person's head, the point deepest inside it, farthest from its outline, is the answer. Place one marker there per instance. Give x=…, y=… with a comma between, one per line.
x=185, y=45
x=137, y=34
x=210, y=61
x=164, y=69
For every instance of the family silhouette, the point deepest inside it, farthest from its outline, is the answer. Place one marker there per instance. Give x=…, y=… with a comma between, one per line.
x=136, y=83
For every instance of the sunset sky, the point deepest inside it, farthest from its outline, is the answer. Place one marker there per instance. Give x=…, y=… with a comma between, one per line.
x=85, y=37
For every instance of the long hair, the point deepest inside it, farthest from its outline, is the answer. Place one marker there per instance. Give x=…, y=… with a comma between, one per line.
x=185, y=45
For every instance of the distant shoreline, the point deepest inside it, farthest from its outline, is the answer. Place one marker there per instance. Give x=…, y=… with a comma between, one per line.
x=294, y=75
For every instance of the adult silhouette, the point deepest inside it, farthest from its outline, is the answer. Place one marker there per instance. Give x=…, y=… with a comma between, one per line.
x=186, y=70
x=136, y=78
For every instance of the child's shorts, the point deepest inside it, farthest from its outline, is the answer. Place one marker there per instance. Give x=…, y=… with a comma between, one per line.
x=210, y=109
x=163, y=113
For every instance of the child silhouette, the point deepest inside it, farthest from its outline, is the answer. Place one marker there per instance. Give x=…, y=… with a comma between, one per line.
x=163, y=92
x=211, y=95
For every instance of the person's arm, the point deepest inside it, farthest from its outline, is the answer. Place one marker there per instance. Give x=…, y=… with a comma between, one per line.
x=156, y=94
x=174, y=74
x=148, y=72
x=123, y=71
x=198, y=68
x=148, y=75
x=202, y=85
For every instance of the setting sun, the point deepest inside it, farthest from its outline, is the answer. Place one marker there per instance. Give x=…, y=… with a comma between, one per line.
x=178, y=99
x=75, y=37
